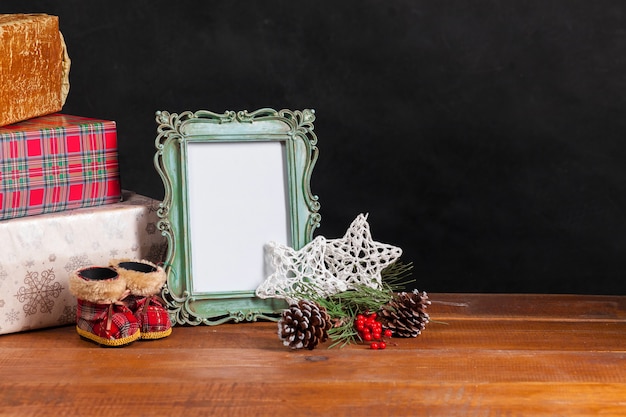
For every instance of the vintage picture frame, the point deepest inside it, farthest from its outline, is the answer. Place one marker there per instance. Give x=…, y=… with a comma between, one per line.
x=233, y=181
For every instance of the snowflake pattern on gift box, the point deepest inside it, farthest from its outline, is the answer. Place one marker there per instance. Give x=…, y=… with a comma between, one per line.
x=3, y=275
x=68, y=316
x=157, y=252
x=113, y=230
x=77, y=262
x=153, y=206
x=12, y=316
x=151, y=228
x=39, y=292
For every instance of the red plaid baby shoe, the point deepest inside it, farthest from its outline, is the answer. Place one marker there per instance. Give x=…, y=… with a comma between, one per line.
x=101, y=316
x=145, y=280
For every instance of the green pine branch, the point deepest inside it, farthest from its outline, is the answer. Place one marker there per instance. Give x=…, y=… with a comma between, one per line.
x=344, y=306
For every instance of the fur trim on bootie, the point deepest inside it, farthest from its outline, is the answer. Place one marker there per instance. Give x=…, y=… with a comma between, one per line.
x=98, y=285
x=143, y=278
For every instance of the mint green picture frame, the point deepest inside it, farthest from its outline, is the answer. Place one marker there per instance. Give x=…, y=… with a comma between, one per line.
x=269, y=138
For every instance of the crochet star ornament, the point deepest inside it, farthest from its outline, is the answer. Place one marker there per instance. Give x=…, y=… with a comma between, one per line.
x=331, y=266
x=294, y=268
x=356, y=258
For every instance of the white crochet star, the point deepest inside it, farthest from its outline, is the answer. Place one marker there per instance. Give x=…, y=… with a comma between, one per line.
x=331, y=266
x=357, y=258
x=293, y=269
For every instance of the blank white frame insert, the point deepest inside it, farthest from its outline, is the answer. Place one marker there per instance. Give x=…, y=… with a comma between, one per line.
x=237, y=202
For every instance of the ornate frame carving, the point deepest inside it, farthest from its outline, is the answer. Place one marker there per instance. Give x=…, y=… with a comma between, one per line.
x=176, y=133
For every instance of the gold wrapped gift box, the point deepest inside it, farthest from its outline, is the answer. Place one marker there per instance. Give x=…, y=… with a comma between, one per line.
x=34, y=67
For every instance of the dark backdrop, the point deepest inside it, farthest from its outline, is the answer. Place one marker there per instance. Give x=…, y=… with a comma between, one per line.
x=485, y=138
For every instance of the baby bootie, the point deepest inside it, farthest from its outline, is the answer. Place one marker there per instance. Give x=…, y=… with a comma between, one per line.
x=101, y=316
x=144, y=280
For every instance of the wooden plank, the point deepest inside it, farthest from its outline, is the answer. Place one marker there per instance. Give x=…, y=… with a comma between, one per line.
x=343, y=399
x=257, y=365
x=487, y=355
x=529, y=306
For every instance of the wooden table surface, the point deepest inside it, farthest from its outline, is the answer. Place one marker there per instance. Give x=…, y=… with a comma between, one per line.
x=483, y=355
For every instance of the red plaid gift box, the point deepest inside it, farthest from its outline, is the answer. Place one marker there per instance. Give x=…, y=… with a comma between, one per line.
x=57, y=162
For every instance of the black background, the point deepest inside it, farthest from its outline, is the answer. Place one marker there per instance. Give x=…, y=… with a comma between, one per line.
x=485, y=138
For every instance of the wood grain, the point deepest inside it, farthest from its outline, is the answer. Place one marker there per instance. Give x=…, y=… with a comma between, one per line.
x=483, y=355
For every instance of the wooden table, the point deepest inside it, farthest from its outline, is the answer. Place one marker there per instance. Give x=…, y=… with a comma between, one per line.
x=484, y=355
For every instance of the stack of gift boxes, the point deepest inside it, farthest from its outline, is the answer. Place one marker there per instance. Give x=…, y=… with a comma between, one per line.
x=61, y=204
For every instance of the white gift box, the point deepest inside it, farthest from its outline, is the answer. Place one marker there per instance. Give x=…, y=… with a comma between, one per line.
x=38, y=253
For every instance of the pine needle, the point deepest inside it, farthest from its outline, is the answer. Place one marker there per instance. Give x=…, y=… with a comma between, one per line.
x=343, y=307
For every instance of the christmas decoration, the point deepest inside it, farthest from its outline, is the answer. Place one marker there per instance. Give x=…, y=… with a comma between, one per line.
x=57, y=162
x=145, y=280
x=292, y=270
x=304, y=325
x=101, y=316
x=405, y=315
x=346, y=290
x=371, y=330
x=332, y=266
x=356, y=314
x=356, y=258
x=40, y=252
x=359, y=310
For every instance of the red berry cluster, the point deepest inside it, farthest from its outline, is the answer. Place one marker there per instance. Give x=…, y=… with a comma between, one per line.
x=371, y=330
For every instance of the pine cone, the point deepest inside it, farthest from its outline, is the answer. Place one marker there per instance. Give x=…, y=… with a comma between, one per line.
x=304, y=325
x=405, y=315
